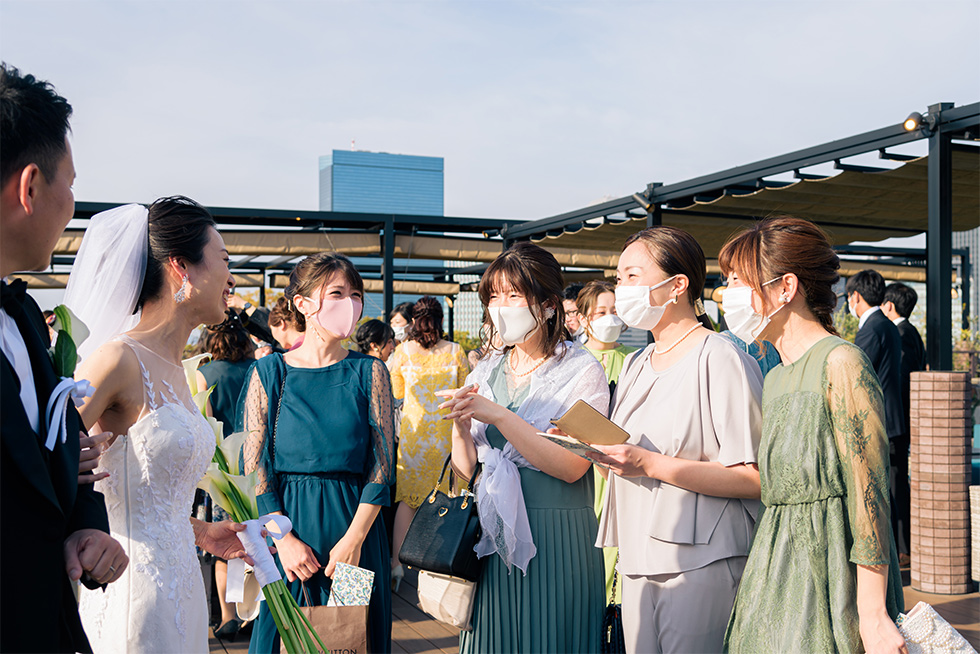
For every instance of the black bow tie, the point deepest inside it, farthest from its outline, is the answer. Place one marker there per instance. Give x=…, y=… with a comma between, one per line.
x=12, y=297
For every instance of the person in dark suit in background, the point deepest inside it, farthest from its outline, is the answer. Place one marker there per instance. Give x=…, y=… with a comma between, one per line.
x=62, y=524
x=897, y=307
x=880, y=340
x=899, y=302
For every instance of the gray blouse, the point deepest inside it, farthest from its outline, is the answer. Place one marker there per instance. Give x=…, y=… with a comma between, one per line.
x=706, y=407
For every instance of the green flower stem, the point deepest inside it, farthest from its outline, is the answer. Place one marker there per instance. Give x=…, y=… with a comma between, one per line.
x=280, y=616
x=219, y=458
x=240, y=504
x=273, y=609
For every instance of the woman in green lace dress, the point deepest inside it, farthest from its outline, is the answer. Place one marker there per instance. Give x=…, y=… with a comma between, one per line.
x=822, y=575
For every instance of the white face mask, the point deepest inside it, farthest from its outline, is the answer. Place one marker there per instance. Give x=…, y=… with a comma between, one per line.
x=634, y=308
x=399, y=333
x=607, y=328
x=742, y=320
x=514, y=325
x=578, y=332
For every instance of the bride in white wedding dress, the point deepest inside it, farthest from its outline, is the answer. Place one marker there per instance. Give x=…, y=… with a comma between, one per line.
x=143, y=279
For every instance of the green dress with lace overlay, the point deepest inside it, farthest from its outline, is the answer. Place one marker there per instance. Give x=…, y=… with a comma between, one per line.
x=823, y=462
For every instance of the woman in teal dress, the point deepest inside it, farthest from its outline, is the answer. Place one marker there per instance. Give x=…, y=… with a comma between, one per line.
x=321, y=439
x=822, y=575
x=535, y=498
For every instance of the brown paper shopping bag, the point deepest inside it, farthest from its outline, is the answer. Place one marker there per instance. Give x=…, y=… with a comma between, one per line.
x=343, y=629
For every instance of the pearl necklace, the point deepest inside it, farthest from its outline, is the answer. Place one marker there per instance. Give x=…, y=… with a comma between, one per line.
x=677, y=342
x=510, y=362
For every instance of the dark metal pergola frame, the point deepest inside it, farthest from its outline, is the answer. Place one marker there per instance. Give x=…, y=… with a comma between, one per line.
x=943, y=123
x=385, y=226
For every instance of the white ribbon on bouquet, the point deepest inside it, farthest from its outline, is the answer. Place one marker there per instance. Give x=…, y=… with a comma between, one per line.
x=265, y=568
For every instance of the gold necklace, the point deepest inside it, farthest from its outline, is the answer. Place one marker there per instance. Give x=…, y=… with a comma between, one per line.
x=510, y=362
x=677, y=342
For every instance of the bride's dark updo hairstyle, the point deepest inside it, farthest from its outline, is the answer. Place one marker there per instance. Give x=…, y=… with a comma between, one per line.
x=426, y=326
x=312, y=273
x=178, y=227
x=534, y=272
x=782, y=245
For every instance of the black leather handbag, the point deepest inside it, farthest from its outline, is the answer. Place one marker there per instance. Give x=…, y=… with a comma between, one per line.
x=613, y=641
x=444, y=532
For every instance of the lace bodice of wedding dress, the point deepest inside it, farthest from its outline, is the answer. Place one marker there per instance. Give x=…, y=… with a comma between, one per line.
x=159, y=603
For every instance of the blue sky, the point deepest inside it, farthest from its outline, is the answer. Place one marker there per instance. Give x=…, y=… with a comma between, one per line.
x=537, y=107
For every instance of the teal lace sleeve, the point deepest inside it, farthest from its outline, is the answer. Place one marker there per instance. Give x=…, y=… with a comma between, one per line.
x=857, y=415
x=381, y=415
x=255, y=453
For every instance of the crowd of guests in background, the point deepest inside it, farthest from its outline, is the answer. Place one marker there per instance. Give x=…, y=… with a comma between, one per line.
x=344, y=419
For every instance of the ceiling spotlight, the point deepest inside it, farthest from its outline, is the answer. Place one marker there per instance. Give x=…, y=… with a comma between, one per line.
x=913, y=122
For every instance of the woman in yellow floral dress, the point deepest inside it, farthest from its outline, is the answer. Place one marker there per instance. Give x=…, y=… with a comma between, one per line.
x=423, y=364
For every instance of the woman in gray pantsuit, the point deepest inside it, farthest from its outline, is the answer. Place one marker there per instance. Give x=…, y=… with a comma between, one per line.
x=683, y=502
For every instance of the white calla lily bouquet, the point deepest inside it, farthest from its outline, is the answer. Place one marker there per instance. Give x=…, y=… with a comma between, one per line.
x=235, y=494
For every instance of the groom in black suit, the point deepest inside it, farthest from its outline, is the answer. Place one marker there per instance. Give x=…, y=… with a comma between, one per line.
x=54, y=529
x=880, y=340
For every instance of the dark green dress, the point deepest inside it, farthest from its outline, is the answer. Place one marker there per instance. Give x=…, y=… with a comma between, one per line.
x=823, y=461
x=558, y=606
x=332, y=451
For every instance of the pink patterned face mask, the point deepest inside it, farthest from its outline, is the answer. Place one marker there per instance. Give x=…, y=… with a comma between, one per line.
x=339, y=317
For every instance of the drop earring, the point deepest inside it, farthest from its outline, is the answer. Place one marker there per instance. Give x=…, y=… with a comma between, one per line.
x=181, y=293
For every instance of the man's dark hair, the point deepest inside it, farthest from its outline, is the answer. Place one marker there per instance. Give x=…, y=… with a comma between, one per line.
x=903, y=297
x=869, y=284
x=33, y=124
x=571, y=291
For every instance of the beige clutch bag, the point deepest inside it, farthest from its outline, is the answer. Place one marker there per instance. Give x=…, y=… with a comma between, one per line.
x=447, y=599
x=926, y=632
x=585, y=424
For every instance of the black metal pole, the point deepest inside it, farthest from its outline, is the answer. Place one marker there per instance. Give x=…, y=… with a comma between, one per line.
x=654, y=219
x=388, y=266
x=654, y=209
x=451, y=315
x=262, y=291
x=939, y=247
x=966, y=289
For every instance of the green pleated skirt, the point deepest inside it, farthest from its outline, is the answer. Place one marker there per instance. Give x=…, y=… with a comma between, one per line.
x=558, y=606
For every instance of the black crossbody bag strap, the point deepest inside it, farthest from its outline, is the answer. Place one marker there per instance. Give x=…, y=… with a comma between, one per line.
x=275, y=424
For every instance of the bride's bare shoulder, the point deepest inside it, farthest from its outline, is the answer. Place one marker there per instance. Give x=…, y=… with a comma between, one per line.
x=114, y=370
x=112, y=360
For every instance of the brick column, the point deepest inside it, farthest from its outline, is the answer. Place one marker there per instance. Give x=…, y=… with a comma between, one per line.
x=939, y=468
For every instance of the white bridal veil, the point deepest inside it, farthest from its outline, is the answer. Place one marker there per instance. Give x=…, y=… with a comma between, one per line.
x=108, y=273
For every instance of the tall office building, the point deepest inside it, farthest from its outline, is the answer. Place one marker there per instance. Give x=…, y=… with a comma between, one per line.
x=378, y=182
